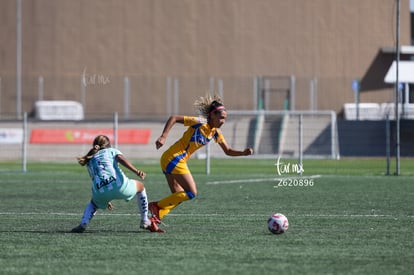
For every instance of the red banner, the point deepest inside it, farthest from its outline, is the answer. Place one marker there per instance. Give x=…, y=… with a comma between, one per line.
x=86, y=136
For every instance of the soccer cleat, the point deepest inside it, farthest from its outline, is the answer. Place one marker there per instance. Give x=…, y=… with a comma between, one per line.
x=153, y=227
x=145, y=225
x=155, y=210
x=78, y=229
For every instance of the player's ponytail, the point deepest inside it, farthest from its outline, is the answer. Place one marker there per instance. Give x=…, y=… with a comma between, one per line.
x=100, y=142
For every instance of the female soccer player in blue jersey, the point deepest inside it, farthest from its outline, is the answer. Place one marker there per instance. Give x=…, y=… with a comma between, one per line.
x=110, y=183
x=200, y=131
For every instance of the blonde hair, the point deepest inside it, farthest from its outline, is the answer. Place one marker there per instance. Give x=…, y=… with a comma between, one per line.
x=207, y=104
x=100, y=142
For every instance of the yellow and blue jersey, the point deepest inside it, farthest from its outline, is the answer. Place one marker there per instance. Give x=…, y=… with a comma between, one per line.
x=198, y=134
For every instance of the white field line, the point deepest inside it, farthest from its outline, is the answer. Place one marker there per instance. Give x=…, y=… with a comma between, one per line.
x=101, y=213
x=261, y=179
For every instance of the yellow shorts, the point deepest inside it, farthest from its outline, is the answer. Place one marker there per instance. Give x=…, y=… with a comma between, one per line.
x=174, y=164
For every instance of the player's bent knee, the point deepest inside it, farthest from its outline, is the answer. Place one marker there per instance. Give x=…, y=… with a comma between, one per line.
x=140, y=186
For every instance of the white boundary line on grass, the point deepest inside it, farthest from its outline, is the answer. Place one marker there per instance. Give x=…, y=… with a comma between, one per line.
x=213, y=215
x=261, y=179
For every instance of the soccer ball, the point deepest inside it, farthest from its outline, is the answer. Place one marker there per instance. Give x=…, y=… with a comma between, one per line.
x=277, y=223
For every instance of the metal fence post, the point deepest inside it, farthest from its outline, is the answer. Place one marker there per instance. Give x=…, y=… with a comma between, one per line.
x=40, y=88
x=24, y=144
x=176, y=95
x=127, y=97
x=115, y=130
x=300, y=139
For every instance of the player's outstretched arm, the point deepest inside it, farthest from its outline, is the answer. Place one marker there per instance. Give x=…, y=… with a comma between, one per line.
x=122, y=160
x=235, y=153
x=168, y=125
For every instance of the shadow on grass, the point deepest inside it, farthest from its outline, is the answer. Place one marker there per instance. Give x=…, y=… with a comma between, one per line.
x=59, y=231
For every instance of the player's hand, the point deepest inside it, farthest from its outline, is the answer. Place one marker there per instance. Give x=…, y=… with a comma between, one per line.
x=248, y=151
x=160, y=142
x=141, y=174
x=110, y=206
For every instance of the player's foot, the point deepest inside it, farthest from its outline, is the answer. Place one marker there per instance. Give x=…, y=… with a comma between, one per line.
x=78, y=229
x=145, y=224
x=155, y=211
x=153, y=227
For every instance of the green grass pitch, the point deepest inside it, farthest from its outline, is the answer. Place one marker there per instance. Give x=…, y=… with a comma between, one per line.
x=352, y=220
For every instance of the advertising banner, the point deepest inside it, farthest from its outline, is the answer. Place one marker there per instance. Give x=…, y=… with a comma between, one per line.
x=86, y=136
x=11, y=136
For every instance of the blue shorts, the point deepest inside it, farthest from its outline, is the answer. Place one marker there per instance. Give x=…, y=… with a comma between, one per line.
x=126, y=192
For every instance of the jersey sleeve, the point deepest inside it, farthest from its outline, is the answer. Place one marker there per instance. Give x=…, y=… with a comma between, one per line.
x=193, y=120
x=115, y=152
x=218, y=137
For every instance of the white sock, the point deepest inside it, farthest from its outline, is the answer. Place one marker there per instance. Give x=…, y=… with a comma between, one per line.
x=88, y=214
x=142, y=201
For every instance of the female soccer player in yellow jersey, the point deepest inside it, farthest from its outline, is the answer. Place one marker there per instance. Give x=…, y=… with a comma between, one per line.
x=200, y=131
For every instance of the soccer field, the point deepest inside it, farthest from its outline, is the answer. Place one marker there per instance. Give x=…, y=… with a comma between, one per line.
x=351, y=219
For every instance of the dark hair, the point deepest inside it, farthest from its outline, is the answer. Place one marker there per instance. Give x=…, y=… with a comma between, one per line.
x=100, y=142
x=215, y=107
x=209, y=104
